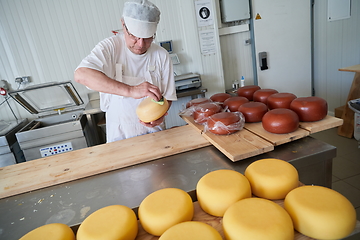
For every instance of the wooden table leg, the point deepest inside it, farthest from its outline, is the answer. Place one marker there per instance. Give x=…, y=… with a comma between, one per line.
x=347, y=129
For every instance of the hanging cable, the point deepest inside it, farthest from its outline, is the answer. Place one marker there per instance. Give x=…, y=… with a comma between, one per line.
x=6, y=101
x=11, y=108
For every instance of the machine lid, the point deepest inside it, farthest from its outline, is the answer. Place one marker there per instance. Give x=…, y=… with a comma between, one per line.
x=48, y=97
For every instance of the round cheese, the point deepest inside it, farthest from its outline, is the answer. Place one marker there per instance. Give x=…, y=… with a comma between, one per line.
x=218, y=190
x=191, y=230
x=257, y=219
x=280, y=121
x=149, y=110
x=115, y=222
x=52, y=231
x=272, y=178
x=165, y=208
x=320, y=212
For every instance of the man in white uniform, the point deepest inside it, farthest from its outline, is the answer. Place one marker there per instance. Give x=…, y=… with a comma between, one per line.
x=127, y=67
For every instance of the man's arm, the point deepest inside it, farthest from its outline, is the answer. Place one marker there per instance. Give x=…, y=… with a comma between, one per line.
x=98, y=81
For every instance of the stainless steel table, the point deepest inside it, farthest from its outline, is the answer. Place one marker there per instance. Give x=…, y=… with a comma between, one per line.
x=72, y=202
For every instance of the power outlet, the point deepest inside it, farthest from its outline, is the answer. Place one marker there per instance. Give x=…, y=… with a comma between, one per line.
x=22, y=80
x=4, y=85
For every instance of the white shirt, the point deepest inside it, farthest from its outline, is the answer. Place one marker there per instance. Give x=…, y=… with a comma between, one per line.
x=112, y=57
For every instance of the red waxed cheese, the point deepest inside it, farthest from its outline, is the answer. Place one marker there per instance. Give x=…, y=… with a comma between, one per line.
x=220, y=97
x=234, y=103
x=224, y=123
x=197, y=101
x=280, y=100
x=310, y=109
x=253, y=111
x=247, y=91
x=262, y=95
x=280, y=120
x=205, y=110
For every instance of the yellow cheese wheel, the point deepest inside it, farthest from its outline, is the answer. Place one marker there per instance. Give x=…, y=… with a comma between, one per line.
x=165, y=208
x=115, y=222
x=217, y=190
x=191, y=230
x=52, y=231
x=149, y=110
x=272, y=178
x=257, y=219
x=320, y=212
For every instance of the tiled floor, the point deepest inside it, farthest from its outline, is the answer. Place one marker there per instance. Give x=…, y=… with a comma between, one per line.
x=346, y=165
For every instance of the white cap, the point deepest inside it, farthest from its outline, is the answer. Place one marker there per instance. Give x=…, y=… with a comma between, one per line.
x=141, y=18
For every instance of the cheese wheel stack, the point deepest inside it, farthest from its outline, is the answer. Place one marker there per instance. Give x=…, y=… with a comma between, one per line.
x=165, y=208
x=52, y=231
x=314, y=211
x=115, y=222
x=218, y=190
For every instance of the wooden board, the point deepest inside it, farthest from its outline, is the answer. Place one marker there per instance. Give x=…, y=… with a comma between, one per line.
x=237, y=146
x=355, y=68
x=216, y=222
x=327, y=123
x=305, y=129
x=65, y=167
x=275, y=139
x=254, y=139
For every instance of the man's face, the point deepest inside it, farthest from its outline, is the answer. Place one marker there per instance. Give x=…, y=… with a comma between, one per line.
x=136, y=45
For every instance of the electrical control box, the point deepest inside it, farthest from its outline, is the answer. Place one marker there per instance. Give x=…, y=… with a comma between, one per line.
x=56, y=149
x=234, y=10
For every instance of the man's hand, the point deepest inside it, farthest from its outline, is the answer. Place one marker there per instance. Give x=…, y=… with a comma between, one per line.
x=154, y=123
x=145, y=89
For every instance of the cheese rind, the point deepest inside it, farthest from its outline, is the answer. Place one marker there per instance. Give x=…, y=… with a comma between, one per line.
x=165, y=208
x=115, y=222
x=149, y=110
x=191, y=230
x=219, y=189
x=272, y=178
x=57, y=231
x=320, y=212
x=257, y=219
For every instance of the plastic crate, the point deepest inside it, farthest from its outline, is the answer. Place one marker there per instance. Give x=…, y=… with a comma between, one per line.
x=355, y=106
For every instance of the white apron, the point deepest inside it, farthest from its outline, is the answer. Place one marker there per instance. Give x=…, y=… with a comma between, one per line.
x=121, y=119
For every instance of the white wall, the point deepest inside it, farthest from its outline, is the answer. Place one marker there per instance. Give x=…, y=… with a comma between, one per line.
x=46, y=39
x=337, y=45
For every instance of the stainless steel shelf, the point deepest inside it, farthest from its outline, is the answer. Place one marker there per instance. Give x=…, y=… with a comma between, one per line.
x=72, y=202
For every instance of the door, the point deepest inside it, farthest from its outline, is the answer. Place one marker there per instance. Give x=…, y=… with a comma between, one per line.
x=282, y=32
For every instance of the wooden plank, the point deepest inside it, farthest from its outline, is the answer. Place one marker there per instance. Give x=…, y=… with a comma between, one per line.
x=327, y=123
x=216, y=222
x=339, y=111
x=65, y=167
x=237, y=146
x=355, y=68
x=276, y=139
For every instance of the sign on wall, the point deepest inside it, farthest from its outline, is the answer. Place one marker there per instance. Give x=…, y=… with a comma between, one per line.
x=204, y=13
